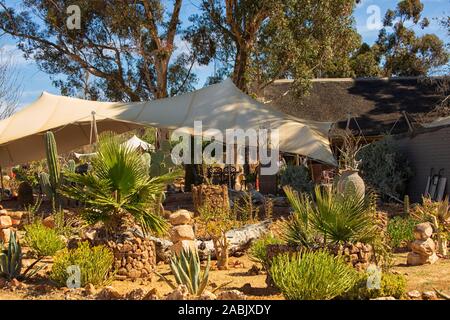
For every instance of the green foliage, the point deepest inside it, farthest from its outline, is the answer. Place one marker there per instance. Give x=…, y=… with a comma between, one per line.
x=392, y=285
x=402, y=51
x=119, y=184
x=258, y=249
x=186, y=269
x=298, y=177
x=11, y=258
x=43, y=241
x=384, y=168
x=298, y=230
x=71, y=165
x=95, y=264
x=312, y=275
x=400, y=231
x=339, y=218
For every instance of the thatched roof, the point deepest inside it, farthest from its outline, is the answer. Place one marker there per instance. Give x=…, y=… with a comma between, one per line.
x=377, y=104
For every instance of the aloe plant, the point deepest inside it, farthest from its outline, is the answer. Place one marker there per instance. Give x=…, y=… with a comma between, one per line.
x=186, y=269
x=11, y=259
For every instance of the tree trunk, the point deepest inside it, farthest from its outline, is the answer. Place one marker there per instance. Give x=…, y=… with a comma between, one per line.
x=240, y=67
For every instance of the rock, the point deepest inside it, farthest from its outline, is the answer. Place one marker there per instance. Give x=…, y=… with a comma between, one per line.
x=5, y=222
x=424, y=247
x=186, y=245
x=415, y=259
x=414, y=294
x=5, y=235
x=180, y=293
x=151, y=295
x=109, y=293
x=14, y=214
x=207, y=295
x=89, y=290
x=3, y=212
x=384, y=298
x=15, y=222
x=90, y=235
x=14, y=283
x=231, y=295
x=429, y=295
x=423, y=231
x=49, y=222
x=182, y=232
x=136, y=294
x=180, y=217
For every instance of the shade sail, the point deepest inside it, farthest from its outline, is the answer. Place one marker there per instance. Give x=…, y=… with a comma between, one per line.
x=221, y=106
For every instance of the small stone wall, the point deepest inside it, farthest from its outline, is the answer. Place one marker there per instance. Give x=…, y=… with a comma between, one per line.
x=134, y=258
x=217, y=195
x=9, y=221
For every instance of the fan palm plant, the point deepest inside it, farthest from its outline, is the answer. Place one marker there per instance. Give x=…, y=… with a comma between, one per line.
x=119, y=185
x=338, y=218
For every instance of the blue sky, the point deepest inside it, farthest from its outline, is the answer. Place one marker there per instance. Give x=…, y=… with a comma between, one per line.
x=36, y=81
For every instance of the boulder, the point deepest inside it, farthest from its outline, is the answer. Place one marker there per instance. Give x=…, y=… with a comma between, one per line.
x=414, y=294
x=180, y=217
x=180, y=293
x=231, y=295
x=207, y=295
x=49, y=222
x=5, y=235
x=429, y=295
x=5, y=222
x=415, y=259
x=109, y=293
x=423, y=247
x=182, y=232
x=136, y=294
x=151, y=295
x=186, y=245
x=423, y=231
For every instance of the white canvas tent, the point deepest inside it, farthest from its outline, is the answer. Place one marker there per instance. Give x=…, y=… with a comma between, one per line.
x=221, y=106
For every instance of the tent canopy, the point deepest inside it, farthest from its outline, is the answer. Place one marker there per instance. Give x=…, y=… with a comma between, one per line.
x=220, y=106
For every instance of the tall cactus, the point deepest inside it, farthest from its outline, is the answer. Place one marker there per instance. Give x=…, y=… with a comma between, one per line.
x=52, y=164
x=71, y=166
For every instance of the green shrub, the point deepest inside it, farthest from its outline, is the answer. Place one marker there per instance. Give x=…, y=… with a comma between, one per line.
x=298, y=177
x=392, y=285
x=95, y=264
x=384, y=168
x=400, y=231
x=43, y=241
x=258, y=249
x=312, y=275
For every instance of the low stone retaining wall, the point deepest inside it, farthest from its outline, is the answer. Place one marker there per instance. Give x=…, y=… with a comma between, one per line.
x=134, y=258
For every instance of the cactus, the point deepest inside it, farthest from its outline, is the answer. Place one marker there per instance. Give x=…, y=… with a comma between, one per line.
x=186, y=269
x=71, y=166
x=406, y=205
x=161, y=162
x=147, y=160
x=46, y=187
x=53, y=166
x=11, y=259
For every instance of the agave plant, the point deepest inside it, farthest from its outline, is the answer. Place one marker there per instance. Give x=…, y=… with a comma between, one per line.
x=119, y=185
x=186, y=269
x=11, y=259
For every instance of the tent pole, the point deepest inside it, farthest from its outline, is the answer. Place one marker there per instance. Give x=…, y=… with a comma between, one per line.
x=94, y=132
